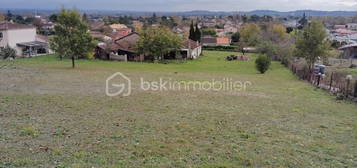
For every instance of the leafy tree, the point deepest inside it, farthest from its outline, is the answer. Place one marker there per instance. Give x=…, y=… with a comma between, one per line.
x=268, y=48
x=7, y=52
x=72, y=38
x=2, y=17
x=235, y=37
x=276, y=43
x=19, y=19
x=312, y=43
x=157, y=42
x=262, y=63
x=53, y=18
x=267, y=18
x=125, y=20
x=274, y=32
x=209, y=32
x=245, y=18
x=254, y=18
x=168, y=21
x=153, y=19
x=38, y=24
x=278, y=32
x=29, y=20
x=250, y=34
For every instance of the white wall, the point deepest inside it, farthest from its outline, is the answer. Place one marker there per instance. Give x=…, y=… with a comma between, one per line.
x=12, y=37
x=196, y=52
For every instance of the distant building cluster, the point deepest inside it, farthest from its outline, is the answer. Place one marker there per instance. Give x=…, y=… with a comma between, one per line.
x=23, y=38
x=344, y=33
x=117, y=35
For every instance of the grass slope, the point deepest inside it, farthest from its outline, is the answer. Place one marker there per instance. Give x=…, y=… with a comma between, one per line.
x=52, y=115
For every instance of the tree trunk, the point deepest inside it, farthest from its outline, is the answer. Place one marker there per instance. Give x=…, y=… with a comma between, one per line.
x=73, y=65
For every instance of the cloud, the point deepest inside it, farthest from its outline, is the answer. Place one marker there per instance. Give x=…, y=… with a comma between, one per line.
x=185, y=5
x=349, y=3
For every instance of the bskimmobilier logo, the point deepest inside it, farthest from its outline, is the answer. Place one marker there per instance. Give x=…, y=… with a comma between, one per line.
x=118, y=85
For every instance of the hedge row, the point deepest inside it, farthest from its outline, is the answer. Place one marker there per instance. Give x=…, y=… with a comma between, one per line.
x=221, y=48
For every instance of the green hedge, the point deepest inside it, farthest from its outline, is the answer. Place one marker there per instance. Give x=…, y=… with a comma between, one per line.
x=221, y=48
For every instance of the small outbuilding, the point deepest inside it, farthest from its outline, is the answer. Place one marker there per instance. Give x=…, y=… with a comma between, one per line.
x=349, y=51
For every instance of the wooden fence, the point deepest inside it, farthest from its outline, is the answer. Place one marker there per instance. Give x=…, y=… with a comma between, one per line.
x=335, y=82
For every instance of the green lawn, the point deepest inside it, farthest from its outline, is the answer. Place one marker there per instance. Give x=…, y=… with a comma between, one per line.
x=54, y=116
x=352, y=71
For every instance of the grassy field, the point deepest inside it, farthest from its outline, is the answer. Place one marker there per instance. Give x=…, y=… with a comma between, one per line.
x=54, y=116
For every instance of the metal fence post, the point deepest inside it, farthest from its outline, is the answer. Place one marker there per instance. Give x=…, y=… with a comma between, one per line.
x=347, y=87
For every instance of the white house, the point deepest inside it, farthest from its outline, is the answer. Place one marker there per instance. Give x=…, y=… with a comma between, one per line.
x=22, y=38
x=191, y=49
x=352, y=26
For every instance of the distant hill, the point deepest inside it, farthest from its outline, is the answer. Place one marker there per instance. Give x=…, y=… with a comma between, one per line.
x=198, y=12
x=301, y=12
x=277, y=13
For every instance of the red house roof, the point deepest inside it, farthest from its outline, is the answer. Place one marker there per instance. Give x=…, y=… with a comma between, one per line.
x=191, y=44
x=12, y=26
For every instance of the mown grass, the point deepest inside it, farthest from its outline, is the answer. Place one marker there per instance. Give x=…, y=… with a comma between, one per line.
x=205, y=64
x=278, y=121
x=352, y=71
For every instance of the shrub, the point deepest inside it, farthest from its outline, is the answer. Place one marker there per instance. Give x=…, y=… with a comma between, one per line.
x=8, y=52
x=221, y=48
x=29, y=131
x=268, y=48
x=262, y=63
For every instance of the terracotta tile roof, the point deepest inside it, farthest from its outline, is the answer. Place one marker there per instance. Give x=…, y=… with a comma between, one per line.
x=12, y=26
x=115, y=36
x=191, y=44
x=127, y=43
x=120, y=33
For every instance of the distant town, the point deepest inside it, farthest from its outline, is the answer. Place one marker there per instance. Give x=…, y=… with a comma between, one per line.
x=217, y=30
x=206, y=89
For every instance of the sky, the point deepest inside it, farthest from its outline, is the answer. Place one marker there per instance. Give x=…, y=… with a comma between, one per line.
x=184, y=5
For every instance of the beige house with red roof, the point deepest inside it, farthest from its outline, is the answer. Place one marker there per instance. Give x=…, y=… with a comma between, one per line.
x=123, y=49
x=118, y=26
x=23, y=39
